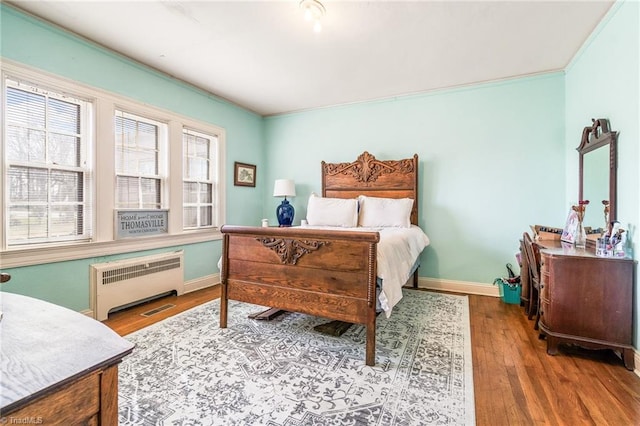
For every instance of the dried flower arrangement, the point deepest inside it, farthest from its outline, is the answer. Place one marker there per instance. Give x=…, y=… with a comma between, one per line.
x=607, y=209
x=580, y=209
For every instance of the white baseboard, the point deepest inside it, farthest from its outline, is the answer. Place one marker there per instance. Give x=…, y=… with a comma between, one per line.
x=423, y=282
x=459, y=286
x=636, y=360
x=202, y=282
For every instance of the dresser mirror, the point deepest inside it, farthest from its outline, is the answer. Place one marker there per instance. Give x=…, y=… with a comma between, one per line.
x=597, y=171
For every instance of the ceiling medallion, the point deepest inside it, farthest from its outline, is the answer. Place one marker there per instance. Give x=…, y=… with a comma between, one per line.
x=313, y=11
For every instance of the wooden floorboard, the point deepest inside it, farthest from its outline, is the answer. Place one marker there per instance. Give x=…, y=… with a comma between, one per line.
x=130, y=320
x=515, y=381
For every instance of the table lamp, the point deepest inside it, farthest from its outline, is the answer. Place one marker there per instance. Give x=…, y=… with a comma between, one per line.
x=285, y=211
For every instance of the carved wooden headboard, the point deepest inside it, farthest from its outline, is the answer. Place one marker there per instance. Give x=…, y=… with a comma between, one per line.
x=374, y=178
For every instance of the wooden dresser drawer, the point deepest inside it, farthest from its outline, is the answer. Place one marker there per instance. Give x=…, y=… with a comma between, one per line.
x=546, y=316
x=545, y=277
x=75, y=403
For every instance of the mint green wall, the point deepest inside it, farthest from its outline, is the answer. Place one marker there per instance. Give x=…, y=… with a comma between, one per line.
x=491, y=164
x=32, y=42
x=603, y=81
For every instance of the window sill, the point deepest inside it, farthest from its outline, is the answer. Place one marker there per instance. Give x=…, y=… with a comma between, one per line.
x=37, y=256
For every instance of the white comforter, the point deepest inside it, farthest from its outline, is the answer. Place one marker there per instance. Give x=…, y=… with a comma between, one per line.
x=398, y=251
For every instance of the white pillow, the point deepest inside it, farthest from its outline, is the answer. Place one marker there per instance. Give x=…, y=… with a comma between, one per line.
x=332, y=211
x=385, y=212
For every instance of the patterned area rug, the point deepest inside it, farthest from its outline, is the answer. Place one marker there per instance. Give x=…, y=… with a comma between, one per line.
x=185, y=370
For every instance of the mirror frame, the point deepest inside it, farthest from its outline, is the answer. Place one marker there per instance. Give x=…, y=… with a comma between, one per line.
x=598, y=135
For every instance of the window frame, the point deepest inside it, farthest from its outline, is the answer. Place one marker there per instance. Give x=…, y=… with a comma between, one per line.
x=212, y=179
x=84, y=167
x=104, y=241
x=161, y=175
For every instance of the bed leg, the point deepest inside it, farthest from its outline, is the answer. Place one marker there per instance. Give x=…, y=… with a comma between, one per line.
x=415, y=279
x=370, y=358
x=223, y=306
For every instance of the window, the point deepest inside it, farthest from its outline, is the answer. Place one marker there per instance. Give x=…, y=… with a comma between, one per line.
x=47, y=165
x=198, y=179
x=139, y=169
x=72, y=156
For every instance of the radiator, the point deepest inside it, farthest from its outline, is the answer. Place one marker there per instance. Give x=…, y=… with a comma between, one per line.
x=124, y=282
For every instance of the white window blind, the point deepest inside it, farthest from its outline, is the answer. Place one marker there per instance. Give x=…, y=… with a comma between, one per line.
x=139, y=169
x=198, y=179
x=45, y=146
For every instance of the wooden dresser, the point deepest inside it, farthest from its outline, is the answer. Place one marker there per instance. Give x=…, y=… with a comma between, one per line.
x=586, y=300
x=58, y=366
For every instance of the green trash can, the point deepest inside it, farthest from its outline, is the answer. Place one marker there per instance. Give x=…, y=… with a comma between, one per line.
x=509, y=291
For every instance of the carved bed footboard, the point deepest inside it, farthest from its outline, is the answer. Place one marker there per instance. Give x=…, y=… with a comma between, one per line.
x=326, y=273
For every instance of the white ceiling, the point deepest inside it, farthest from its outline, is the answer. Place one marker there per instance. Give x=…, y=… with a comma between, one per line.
x=264, y=56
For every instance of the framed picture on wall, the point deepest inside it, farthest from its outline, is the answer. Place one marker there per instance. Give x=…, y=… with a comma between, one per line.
x=244, y=174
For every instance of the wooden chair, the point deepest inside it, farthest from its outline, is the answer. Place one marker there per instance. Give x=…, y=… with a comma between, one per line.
x=533, y=260
x=524, y=278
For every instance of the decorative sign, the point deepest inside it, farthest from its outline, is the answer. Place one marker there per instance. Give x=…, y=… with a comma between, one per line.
x=141, y=223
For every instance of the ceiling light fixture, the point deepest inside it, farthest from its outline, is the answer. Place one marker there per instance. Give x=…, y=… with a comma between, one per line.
x=313, y=10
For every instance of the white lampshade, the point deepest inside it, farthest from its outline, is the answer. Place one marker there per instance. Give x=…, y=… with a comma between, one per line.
x=284, y=188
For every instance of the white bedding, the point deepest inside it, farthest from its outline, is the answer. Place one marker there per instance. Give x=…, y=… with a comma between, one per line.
x=397, y=253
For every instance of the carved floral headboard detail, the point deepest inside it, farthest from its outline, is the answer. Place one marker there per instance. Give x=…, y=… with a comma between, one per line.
x=367, y=168
x=372, y=177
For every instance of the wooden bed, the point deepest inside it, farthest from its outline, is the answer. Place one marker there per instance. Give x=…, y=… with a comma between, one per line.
x=326, y=273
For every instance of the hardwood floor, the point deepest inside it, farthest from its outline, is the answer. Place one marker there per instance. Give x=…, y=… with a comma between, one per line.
x=515, y=381
x=130, y=320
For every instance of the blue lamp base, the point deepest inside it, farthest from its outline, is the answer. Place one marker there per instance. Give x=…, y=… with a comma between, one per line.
x=285, y=212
